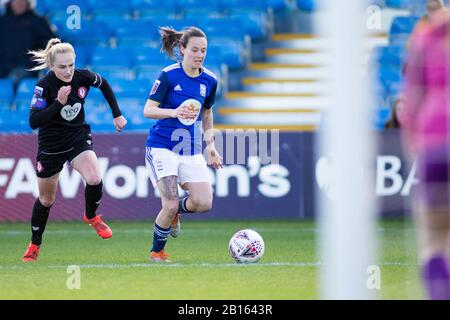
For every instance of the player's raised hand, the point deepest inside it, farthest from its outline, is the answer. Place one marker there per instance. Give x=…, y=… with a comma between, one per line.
x=119, y=123
x=63, y=94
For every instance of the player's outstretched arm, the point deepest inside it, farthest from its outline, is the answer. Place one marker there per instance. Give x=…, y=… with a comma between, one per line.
x=119, y=120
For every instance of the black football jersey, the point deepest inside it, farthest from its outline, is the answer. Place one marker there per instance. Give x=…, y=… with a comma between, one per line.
x=67, y=126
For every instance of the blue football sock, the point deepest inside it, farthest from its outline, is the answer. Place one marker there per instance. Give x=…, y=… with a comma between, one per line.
x=182, y=206
x=160, y=236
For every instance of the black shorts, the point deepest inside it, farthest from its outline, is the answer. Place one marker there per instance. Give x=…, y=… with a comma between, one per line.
x=433, y=171
x=51, y=163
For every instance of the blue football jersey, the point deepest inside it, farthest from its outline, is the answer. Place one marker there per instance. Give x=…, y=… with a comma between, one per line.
x=172, y=89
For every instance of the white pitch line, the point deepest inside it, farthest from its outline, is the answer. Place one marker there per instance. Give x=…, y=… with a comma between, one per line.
x=147, y=231
x=12, y=233
x=172, y=265
x=190, y=265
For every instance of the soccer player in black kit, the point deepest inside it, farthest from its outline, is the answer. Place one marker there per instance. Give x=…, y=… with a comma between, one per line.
x=57, y=110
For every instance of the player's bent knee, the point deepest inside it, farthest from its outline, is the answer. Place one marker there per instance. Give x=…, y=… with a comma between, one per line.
x=47, y=201
x=200, y=205
x=93, y=180
x=171, y=208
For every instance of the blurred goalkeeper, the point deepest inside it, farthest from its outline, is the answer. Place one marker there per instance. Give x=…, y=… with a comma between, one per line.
x=425, y=120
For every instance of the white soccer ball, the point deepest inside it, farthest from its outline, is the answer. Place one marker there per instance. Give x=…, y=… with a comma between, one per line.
x=246, y=246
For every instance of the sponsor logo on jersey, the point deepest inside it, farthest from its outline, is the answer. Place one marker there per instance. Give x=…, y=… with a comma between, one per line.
x=203, y=90
x=69, y=112
x=38, y=91
x=193, y=106
x=82, y=91
x=177, y=88
x=38, y=103
x=39, y=167
x=155, y=87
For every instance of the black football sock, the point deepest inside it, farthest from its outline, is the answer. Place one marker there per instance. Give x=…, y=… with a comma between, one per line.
x=93, y=196
x=38, y=222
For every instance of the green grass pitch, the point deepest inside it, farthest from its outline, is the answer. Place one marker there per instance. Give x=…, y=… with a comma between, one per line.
x=118, y=268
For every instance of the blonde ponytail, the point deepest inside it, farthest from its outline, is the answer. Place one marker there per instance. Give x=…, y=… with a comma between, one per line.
x=45, y=58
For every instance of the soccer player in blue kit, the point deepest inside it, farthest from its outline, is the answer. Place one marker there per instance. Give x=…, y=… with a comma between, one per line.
x=181, y=99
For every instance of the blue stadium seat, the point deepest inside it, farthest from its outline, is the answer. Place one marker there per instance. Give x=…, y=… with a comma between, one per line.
x=99, y=116
x=132, y=105
x=23, y=100
x=394, y=88
x=118, y=57
x=388, y=76
x=148, y=73
x=382, y=116
x=401, y=30
x=110, y=72
x=254, y=22
x=380, y=3
x=41, y=7
x=176, y=23
x=403, y=24
x=133, y=89
x=149, y=56
x=95, y=95
x=389, y=55
x=91, y=32
x=398, y=4
x=199, y=4
x=118, y=9
x=136, y=32
x=214, y=55
x=200, y=8
x=278, y=5
x=83, y=55
x=195, y=13
x=6, y=93
x=306, y=5
x=230, y=28
x=248, y=4
x=232, y=52
x=15, y=121
x=27, y=86
x=132, y=110
x=155, y=8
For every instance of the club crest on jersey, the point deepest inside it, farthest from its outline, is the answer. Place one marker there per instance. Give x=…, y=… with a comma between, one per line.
x=39, y=167
x=203, y=90
x=155, y=87
x=82, y=91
